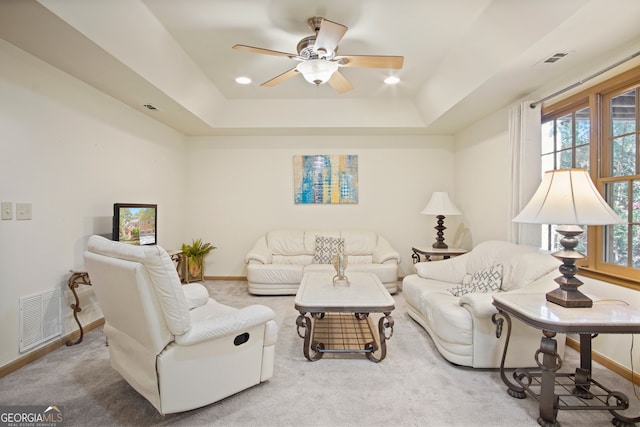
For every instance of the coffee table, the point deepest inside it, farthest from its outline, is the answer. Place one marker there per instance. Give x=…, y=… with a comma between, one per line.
x=335, y=318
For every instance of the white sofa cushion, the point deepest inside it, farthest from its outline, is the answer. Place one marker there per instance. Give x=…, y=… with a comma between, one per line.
x=359, y=242
x=287, y=242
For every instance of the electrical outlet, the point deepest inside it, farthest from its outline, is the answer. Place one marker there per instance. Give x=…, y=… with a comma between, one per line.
x=6, y=209
x=23, y=211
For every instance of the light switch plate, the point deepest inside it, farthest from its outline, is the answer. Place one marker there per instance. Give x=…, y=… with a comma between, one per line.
x=23, y=211
x=6, y=209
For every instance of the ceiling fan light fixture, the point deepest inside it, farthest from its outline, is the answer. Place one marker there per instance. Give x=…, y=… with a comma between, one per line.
x=317, y=71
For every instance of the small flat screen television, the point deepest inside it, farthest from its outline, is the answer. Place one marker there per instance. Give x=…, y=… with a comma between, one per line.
x=135, y=223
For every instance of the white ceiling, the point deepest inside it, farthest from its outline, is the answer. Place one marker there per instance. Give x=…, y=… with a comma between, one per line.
x=463, y=59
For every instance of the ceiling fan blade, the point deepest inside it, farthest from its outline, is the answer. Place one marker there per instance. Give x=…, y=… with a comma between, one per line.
x=264, y=51
x=328, y=37
x=279, y=79
x=340, y=83
x=370, y=61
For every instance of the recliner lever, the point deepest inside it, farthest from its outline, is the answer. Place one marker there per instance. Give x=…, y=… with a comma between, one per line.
x=241, y=339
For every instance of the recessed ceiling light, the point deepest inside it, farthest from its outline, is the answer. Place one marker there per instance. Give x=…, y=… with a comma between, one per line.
x=392, y=80
x=243, y=80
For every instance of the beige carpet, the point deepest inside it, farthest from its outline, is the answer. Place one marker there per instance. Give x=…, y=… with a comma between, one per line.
x=413, y=386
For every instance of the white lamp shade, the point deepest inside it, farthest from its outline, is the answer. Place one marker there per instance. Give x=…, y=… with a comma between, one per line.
x=317, y=71
x=568, y=197
x=440, y=205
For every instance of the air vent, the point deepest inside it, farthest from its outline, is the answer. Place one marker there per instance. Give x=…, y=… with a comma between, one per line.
x=150, y=107
x=555, y=57
x=39, y=319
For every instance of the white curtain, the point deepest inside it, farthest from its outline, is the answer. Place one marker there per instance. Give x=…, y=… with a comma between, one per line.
x=524, y=145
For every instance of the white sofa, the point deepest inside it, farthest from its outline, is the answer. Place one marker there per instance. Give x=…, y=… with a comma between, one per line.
x=176, y=346
x=278, y=260
x=461, y=326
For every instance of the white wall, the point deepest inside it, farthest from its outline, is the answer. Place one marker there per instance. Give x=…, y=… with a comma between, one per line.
x=482, y=177
x=242, y=186
x=72, y=152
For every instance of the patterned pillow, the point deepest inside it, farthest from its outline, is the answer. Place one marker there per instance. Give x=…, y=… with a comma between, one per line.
x=482, y=281
x=326, y=248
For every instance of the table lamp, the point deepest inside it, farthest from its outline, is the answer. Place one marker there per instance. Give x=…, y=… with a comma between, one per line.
x=440, y=205
x=568, y=198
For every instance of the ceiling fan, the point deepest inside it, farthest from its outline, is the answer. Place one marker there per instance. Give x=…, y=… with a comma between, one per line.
x=319, y=59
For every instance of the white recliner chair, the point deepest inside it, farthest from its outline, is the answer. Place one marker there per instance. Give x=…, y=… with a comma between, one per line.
x=176, y=346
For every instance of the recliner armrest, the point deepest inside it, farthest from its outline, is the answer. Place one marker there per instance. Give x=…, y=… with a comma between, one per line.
x=226, y=324
x=260, y=253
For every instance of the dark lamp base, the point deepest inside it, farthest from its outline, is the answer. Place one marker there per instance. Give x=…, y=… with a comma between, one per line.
x=440, y=244
x=572, y=298
x=568, y=295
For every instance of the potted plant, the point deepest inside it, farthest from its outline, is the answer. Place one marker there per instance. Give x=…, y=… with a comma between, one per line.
x=193, y=256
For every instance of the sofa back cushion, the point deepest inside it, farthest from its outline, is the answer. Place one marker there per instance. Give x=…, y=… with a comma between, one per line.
x=287, y=242
x=528, y=266
x=521, y=264
x=359, y=242
x=293, y=242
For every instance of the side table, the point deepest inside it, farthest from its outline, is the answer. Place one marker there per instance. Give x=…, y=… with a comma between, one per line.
x=427, y=253
x=554, y=390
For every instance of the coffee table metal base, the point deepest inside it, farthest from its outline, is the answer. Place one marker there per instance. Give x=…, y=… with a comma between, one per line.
x=344, y=333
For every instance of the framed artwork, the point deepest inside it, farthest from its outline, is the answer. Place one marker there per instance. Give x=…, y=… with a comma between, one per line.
x=325, y=179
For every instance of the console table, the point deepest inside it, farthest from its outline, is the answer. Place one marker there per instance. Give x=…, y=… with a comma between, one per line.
x=427, y=253
x=78, y=277
x=554, y=390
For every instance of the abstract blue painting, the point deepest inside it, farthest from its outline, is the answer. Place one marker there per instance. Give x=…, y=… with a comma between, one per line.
x=326, y=179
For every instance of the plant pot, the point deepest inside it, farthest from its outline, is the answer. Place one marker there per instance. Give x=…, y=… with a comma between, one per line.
x=193, y=269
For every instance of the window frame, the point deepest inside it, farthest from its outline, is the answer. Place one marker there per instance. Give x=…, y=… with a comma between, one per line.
x=595, y=97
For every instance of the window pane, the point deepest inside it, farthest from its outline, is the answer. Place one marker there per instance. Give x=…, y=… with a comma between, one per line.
x=564, y=160
x=547, y=162
x=623, y=113
x=545, y=241
x=583, y=126
x=564, y=131
x=547, y=137
x=623, y=156
x=635, y=241
x=617, y=248
x=619, y=198
x=582, y=157
x=635, y=204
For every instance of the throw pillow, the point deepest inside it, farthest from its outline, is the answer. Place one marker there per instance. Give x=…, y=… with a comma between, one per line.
x=326, y=248
x=482, y=281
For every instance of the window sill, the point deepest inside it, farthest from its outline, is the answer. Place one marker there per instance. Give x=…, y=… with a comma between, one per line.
x=609, y=278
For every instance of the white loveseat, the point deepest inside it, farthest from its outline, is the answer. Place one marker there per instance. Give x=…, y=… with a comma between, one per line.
x=175, y=345
x=461, y=326
x=278, y=260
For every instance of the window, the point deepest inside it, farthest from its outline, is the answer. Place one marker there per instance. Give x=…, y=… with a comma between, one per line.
x=621, y=176
x=565, y=144
x=599, y=130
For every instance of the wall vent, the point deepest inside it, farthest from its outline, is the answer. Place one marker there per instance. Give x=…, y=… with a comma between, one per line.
x=40, y=319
